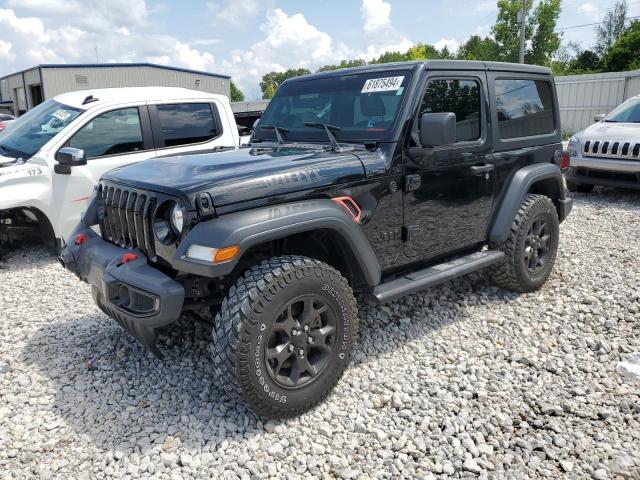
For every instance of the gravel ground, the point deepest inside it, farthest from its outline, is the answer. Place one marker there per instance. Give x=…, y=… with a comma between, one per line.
x=460, y=381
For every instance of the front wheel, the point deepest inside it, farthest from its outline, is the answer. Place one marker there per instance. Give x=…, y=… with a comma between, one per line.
x=531, y=248
x=284, y=335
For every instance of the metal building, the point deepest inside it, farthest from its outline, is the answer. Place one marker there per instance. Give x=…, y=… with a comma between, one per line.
x=581, y=97
x=24, y=90
x=247, y=112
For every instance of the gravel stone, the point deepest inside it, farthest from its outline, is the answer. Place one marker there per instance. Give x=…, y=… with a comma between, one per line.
x=460, y=381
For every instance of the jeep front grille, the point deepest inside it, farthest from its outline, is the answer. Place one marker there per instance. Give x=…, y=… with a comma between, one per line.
x=611, y=149
x=127, y=216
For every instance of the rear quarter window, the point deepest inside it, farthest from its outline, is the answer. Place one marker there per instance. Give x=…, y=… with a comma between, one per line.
x=524, y=108
x=187, y=123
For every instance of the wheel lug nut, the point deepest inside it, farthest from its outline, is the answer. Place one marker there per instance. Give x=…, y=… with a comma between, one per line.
x=306, y=328
x=291, y=347
x=301, y=352
x=310, y=340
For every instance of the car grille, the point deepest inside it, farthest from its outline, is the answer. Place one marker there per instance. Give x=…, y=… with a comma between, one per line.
x=127, y=216
x=611, y=149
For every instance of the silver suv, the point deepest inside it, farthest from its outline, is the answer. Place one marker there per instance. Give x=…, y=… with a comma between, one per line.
x=608, y=152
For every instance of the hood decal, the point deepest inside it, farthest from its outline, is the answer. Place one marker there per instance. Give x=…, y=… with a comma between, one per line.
x=298, y=176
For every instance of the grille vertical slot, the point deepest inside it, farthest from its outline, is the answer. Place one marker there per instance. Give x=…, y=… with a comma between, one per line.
x=127, y=216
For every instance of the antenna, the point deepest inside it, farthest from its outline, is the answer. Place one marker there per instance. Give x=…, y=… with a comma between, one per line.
x=96, y=49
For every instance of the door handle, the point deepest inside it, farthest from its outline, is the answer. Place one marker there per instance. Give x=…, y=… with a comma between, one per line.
x=482, y=169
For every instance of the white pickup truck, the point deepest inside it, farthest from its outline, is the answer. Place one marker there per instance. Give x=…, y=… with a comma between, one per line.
x=51, y=157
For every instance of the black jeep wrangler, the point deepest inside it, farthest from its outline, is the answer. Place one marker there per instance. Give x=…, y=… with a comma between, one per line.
x=385, y=179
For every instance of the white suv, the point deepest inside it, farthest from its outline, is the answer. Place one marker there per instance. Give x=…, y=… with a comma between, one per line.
x=608, y=152
x=51, y=157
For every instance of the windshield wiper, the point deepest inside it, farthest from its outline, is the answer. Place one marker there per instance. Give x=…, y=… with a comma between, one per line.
x=329, y=129
x=279, y=131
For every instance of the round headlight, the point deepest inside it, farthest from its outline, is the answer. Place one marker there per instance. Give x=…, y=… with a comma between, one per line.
x=177, y=217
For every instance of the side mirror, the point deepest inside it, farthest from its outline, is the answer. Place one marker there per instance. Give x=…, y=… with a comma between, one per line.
x=68, y=157
x=437, y=129
x=599, y=117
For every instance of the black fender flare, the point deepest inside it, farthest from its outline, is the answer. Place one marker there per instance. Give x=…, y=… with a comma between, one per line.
x=519, y=186
x=252, y=227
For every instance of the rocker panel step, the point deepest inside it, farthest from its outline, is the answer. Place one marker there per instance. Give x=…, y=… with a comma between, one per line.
x=428, y=277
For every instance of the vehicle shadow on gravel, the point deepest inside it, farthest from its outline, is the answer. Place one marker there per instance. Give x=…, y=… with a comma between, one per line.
x=107, y=387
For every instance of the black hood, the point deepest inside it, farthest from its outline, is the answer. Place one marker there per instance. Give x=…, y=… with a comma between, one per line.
x=241, y=175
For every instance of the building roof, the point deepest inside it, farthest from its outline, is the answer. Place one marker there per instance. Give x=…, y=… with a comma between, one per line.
x=120, y=65
x=133, y=94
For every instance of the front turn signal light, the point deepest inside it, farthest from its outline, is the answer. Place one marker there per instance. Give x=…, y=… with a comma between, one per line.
x=212, y=255
x=225, y=254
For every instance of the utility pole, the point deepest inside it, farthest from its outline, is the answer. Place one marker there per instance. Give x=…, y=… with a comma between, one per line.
x=522, y=14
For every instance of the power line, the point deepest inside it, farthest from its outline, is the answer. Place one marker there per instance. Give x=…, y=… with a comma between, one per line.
x=590, y=24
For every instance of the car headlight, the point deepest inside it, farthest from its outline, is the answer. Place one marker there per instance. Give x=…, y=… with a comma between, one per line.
x=573, y=146
x=177, y=217
x=169, y=222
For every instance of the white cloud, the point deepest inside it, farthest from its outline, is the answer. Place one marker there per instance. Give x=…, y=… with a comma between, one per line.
x=485, y=6
x=590, y=11
x=451, y=43
x=5, y=51
x=375, y=15
x=52, y=38
x=289, y=42
x=192, y=58
x=237, y=12
x=380, y=35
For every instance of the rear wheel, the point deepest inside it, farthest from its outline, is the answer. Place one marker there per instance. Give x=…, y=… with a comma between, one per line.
x=531, y=248
x=579, y=188
x=284, y=335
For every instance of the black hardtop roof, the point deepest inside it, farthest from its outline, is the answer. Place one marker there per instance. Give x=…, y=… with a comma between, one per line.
x=462, y=65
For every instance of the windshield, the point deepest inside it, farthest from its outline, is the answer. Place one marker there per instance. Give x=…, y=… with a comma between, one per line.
x=363, y=106
x=35, y=128
x=628, y=112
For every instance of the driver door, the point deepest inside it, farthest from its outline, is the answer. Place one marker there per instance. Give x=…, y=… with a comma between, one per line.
x=448, y=194
x=111, y=139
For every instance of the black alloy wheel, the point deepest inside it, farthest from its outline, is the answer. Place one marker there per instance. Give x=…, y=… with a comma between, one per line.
x=536, y=245
x=301, y=341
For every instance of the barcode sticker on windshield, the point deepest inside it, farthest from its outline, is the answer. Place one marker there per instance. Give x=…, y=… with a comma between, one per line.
x=387, y=84
x=60, y=114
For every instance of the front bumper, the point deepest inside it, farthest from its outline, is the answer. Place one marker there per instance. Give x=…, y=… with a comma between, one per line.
x=138, y=296
x=604, y=171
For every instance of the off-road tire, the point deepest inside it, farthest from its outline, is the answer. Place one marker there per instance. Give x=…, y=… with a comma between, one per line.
x=246, y=316
x=512, y=273
x=579, y=188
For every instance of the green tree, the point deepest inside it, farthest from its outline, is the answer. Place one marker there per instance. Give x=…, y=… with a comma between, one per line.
x=343, y=64
x=612, y=27
x=539, y=30
x=271, y=81
x=422, y=51
x=506, y=31
x=478, y=48
x=388, y=57
x=545, y=41
x=236, y=93
x=586, y=61
x=623, y=54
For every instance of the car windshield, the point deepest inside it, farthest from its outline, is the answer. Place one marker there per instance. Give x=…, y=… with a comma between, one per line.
x=32, y=130
x=363, y=106
x=628, y=112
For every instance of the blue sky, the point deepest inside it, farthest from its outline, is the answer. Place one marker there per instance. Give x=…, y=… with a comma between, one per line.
x=247, y=38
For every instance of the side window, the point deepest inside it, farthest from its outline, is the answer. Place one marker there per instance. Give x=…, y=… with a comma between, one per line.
x=525, y=108
x=461, y=97
x=185, y=123
x=112, y=133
